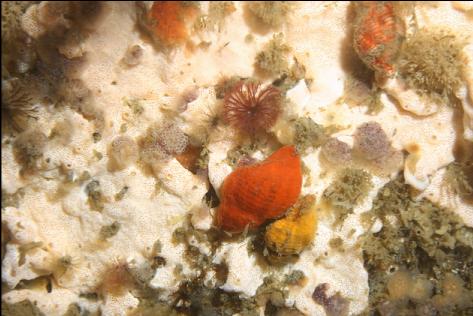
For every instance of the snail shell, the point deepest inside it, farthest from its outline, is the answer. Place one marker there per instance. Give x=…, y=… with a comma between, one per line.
x=291, y=234
x=253, y=194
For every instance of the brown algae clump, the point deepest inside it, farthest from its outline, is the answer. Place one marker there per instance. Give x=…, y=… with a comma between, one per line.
x=424, y=243
x=28, y=149
x=350, y=188
x=459, y=177
x=294, y=232
x=431, y=63
x=296, y=277
x=24, y=307
x=225, y=85
x=95, y=197
x=12, y=199
x=214, y=19
x=18, y=50
x=272, y=60
x=454, y=293
x=148, y=307
x=241, y=154
x=12, y=12
x=108, y=231
x=271, y=13
x=289, y=77
x=308, y=134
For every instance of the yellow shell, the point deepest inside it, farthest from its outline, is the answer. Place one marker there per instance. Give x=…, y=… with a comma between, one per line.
x=291, y=234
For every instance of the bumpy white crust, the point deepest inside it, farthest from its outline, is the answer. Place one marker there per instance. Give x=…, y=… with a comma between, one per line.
x=157, y=202
x=408, y=99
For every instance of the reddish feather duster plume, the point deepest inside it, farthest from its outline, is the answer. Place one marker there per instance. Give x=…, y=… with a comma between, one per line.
x=251, y=108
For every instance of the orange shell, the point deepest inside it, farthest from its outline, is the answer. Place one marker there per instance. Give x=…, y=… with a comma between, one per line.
x=377, y=37
x=188, y=159
x=250, y=195
x=167, y=21
x=294, y=232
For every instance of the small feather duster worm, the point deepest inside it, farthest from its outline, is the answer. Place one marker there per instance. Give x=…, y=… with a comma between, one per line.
x=251, y=108
x=17, y=106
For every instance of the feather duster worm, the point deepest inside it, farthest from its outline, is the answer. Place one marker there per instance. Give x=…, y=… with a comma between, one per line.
x=251, y=108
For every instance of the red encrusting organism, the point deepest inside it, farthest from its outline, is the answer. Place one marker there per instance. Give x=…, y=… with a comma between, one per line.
x=251, y=195
x=168, y=21
x=251, y=108
x=377, y=35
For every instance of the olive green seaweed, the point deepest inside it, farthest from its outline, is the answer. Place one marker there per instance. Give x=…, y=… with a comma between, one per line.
x=423, y=239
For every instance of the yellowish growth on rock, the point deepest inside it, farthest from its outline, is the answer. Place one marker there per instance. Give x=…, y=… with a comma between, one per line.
x=349, y=189
x=214, y=19
x=459, y=178
x=271, y=13
x=134, y=104
x=21, y=308
x=62, y=132
x=291, y=76
x=28, y=149
x=95, y=197
x=108, y=231
x=116, y=279
x=293, y=233
x=431, y=63
x=240, y=153
x=454, y=293
x=426, y=243
x=272, y=59
x=399, y=285
x=152, y=307
x=309, y=134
